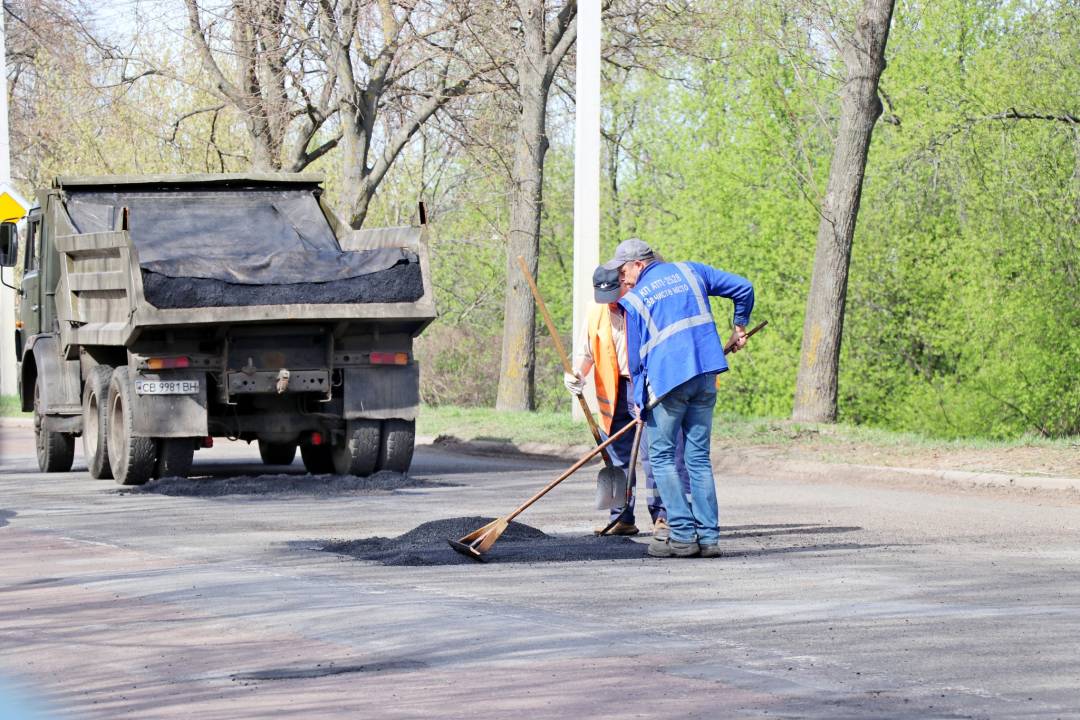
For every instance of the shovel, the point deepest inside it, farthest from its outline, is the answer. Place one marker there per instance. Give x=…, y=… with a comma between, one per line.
x=479, y=541
x=611, y=481
x=629, y=493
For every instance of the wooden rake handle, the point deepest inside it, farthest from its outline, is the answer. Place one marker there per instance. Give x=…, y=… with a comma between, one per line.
x=763, y=323
x=573, y=469
x=567, y=366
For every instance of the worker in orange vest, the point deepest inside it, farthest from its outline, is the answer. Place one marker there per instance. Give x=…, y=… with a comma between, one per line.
x=602, y=350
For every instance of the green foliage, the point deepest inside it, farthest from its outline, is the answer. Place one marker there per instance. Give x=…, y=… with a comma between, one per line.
x=10, y=406
x=963, y=316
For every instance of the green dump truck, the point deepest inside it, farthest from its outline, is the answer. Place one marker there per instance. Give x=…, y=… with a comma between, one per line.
x=155, y=313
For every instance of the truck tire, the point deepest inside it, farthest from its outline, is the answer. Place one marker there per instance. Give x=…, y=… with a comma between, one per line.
x=396, y=448
x=359, y=453
x=277, y=453
x=95, y=410
x=55, y=451
x=132, y=458
x=317, y=459
x=174, y=456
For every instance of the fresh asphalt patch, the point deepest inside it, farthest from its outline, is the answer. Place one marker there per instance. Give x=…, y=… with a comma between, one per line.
x=520, y=543
x=328, y=670
x=284, y=484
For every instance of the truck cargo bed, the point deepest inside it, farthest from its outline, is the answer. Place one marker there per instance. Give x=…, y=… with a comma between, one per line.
x=401, y=283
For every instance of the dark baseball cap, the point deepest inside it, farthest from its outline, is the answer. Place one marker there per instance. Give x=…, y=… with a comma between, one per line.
x=628, y=251
x=605, y=283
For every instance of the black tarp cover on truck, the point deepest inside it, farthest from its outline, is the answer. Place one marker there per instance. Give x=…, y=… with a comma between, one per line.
x=210, y=247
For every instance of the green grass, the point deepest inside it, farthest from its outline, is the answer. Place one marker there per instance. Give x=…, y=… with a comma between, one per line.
x=557, y=428
x=9, y=407
x=554, y=428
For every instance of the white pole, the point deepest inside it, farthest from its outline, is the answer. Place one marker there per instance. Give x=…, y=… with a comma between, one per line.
x=7, y=297
x=586, y=164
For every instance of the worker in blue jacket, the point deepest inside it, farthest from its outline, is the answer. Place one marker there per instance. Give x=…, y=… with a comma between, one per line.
x=675, y=354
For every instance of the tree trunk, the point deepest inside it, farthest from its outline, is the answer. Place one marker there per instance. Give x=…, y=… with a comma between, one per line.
x=864, y=58
x=517, y=370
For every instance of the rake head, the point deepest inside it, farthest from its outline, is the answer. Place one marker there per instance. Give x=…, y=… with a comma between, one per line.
x=467, y=550
x=479, y=541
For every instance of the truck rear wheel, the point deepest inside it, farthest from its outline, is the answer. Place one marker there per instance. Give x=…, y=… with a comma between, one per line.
x=396, y=448
x=277, y=453
x=95, y=410
x=174, y=457
x=55, y=451
x=317, y=459
x=132, y=458
x=359, y=453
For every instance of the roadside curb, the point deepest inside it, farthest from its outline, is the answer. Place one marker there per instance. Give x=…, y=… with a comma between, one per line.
x=839, y=472
x=799, y=470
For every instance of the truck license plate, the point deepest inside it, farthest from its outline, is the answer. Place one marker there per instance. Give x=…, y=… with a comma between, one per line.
x=167, y=387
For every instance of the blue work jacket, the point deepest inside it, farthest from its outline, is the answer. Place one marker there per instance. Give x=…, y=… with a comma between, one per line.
x=670, y=334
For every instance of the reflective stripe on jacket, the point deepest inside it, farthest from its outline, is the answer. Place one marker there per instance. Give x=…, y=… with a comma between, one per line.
x=670, y=335
x=605, y=363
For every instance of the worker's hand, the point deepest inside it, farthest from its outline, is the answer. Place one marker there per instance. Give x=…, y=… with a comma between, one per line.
x=738, y=339
x=574, y=383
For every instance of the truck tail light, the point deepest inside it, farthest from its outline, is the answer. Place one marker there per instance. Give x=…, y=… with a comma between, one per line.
x=316, y=439
x=385, y=358
x=208, y=442
x=167, y=363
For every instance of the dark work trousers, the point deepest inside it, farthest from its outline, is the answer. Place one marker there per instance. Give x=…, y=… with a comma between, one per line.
x=620, y=450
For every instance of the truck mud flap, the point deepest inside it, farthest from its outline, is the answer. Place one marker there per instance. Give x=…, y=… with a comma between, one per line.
x=169, y=415
x=61, y=391
x=381, y=392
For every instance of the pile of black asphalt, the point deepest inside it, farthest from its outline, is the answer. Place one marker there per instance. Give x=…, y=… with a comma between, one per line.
x=520, y=543
x=312, y=485
x=400, y=283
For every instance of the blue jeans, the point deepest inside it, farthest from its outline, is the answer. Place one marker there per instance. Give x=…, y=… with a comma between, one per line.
x=689, y=407
x=652, y=494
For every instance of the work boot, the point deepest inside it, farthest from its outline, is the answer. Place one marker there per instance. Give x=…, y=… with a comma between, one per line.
x=660, y=529
x=710, y=551
x=619, y=528
x=667, y=548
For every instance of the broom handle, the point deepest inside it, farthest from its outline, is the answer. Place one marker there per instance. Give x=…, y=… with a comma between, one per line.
x=573, y=468
x=562, y=351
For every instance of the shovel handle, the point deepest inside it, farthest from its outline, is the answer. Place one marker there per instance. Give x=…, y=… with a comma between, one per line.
x=630, y=477
x=561, y=350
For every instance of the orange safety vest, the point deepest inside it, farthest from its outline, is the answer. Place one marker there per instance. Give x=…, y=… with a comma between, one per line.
x=605, y=363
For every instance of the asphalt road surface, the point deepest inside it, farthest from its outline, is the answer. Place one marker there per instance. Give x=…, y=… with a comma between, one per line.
x=836, y=599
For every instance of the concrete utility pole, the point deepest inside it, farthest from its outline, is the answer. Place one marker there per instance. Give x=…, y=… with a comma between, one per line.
x=586, y=168
x=7, y=296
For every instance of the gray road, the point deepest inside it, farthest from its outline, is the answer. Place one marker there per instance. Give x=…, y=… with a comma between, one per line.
x=837, y=600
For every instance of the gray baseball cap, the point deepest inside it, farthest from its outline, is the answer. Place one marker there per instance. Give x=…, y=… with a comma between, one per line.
x=628, y=251
x=605, y=284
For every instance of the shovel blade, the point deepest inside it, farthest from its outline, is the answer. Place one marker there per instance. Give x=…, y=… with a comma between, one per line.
x=611, y=488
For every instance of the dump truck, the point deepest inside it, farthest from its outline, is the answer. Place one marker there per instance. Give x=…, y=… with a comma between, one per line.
x=156, y=313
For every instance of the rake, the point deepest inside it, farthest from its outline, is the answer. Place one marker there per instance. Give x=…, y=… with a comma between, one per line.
x=479, y=541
